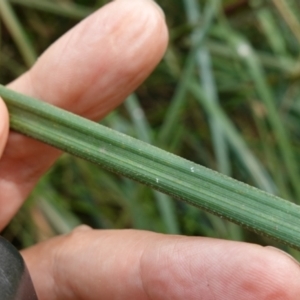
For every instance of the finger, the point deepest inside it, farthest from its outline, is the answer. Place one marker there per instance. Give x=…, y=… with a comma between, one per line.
x=89, y=71
x=111, y=265
x=3, y=126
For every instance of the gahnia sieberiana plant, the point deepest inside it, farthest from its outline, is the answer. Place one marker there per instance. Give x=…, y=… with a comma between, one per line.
x=182, y=179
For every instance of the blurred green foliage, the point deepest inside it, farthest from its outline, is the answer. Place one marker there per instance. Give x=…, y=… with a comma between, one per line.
x=226, y=95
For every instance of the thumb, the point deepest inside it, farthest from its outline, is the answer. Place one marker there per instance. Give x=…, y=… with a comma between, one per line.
x=3, y=126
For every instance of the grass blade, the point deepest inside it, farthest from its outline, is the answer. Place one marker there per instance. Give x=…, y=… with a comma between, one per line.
x=69, y=10
x=254, y=209
x=271, y=29
x=171, y=118
x=289, y=17
x=13, y=25
x=286, y=65
x=259, y=174
x=165, y=204
x=264, y=91
x=206, y=76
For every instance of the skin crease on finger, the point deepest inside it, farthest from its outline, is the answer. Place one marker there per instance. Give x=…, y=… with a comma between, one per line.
x=91, y=265
x=89, y=71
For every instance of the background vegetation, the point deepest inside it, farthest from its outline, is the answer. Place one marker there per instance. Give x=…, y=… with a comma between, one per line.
x=226, y=95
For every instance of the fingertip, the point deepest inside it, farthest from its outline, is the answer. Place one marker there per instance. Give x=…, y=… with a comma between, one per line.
x=3, y=126
x=151, y=2
x=136, y=34
x=287, y=256
x=219, y=269
x=155, y=15
x=281, y=265
x=116, y=48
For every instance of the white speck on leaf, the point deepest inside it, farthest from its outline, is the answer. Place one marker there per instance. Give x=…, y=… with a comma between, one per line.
x=243, y=49
x=157, y=180
x=192, y=169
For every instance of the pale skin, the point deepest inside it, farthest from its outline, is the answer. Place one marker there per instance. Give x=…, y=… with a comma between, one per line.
x=90, y=71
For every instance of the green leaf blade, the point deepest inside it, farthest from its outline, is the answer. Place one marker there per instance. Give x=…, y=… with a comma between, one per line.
x=250, y=207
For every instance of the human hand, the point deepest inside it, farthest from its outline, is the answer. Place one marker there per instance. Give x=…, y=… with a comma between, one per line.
x=90, y=71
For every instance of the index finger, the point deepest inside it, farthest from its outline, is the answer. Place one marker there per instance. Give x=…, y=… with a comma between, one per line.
x=89, y=71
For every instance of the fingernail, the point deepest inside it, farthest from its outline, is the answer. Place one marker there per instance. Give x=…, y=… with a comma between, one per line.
x=285, y=253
